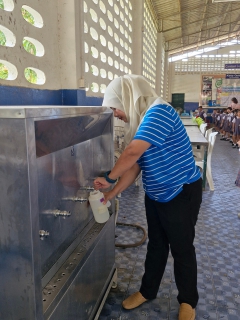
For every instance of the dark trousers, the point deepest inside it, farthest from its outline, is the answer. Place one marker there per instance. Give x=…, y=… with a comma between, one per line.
x=172, y=224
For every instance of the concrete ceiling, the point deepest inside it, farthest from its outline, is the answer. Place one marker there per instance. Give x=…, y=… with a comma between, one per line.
x=191, y=24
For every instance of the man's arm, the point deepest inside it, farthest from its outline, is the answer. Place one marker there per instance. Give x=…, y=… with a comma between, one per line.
x=123, y=183
x=129, y=157
x=125, y=162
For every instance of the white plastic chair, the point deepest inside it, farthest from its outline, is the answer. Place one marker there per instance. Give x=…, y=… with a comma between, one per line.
x=199, y=153
x=199, y=162
x=203, y=128
x=207, y=133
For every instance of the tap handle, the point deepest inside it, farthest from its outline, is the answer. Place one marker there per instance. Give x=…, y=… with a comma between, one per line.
x=75, y=199
x=64, y=214
x=43, y=234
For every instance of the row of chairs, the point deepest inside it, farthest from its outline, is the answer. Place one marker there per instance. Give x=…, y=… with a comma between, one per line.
x=199, y=153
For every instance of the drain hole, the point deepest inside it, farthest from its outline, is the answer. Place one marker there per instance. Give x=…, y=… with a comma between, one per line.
x=63, y=274
x=44, y=299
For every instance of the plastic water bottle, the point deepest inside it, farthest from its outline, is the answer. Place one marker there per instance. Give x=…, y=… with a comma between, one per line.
x=100, y=210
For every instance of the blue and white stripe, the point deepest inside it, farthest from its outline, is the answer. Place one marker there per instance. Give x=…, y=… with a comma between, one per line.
x=168, y=163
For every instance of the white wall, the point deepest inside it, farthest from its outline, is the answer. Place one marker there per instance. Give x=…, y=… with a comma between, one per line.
x=70, y=47
x=190, y=84
x=62, y=37
x=48, y=36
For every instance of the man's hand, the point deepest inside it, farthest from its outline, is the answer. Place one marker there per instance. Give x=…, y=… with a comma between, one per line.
x=108, y=196
x=101, y=183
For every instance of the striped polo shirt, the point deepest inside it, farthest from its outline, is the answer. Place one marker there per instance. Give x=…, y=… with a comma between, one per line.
x=168, y=163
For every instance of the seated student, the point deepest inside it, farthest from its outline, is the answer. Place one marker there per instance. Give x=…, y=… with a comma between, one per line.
x=195, y=113
x=236, y=129
x=202, y=114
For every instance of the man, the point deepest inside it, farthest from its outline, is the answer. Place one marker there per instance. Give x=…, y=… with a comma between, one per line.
x=157, y=144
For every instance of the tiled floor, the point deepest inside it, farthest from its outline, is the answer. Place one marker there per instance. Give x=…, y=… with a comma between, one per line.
x=217, y=245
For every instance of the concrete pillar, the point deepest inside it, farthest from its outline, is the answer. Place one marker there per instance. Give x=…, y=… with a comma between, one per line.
x=79, y=26
x=166, y=77
x=159, y=63
x=171, y=73
x=70, y=26
x=137, y=44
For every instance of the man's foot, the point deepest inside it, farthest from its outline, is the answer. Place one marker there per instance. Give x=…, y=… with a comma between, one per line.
x=186, y=312
x=133, y=301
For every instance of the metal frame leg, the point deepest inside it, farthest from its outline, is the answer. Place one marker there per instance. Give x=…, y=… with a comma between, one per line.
x=205, y=166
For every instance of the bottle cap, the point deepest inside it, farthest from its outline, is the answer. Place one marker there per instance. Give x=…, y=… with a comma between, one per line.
x=96, y=194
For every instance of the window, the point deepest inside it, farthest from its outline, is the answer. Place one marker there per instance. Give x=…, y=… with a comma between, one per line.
x=32, y=16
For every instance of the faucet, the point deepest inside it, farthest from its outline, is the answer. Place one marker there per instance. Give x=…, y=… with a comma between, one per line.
x=75, y=199
x=58, y=213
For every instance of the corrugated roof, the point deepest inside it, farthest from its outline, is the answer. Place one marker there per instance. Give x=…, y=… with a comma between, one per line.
x=188, y=24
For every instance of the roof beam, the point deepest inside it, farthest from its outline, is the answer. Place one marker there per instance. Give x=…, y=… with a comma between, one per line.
x=203, y=19
x=194, y=22
x=153, y=11
x=181, y=48
x=182, y=11
x=234, y=22
x=196, y=9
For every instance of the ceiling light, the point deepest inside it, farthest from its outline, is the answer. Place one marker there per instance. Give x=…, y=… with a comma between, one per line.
x=203, y=50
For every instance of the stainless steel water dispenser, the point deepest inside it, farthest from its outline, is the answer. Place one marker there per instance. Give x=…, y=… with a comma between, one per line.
x=56, y=261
